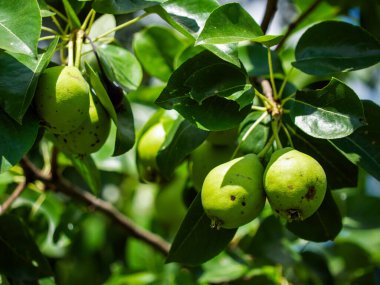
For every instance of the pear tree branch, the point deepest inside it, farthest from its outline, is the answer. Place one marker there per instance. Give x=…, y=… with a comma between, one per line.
x=62, y=185
x=270, y=10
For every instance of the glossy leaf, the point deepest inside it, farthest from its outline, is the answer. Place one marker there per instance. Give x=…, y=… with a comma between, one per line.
x=332, y=112
x=196, y=242
x=340, y=171
x=228, y=24
x=16, y=140
x=121, y=66
x=231, y=23
x=123, y=7
x=156, y=48
x=331, y=46
x=86, y=166
x=323, y=225
x=20, y=26
x=187, y=15
x=363, y=146
x=255, y=60
x=187, y=92
x=20, y=257
x=227, y=52
x=182, y=139
x=18, y=80
x=189, y=18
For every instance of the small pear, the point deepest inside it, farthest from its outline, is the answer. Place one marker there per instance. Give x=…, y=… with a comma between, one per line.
x=295, y=184
x=62, y=99
x=232, y=193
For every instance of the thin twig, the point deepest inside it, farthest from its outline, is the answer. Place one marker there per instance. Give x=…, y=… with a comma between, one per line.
x=64, y=186
x=270, y=10
x=15, y=194
x=297, y=21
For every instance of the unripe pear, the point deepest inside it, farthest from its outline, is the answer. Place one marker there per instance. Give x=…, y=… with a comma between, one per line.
x=206, y=157
x=91, y=134
x=232, y=193
x=295, y=184
x=148, y=147
x=62, y=99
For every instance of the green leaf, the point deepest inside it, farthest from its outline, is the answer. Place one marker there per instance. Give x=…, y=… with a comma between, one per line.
x=227, y=52
x=332, y=112
x=20, y=257
x=189, y=18
x=156, y=48
x=230, y=23
x=20, y=26
x=71, y=15
x=257, y=139
x=187, y=92
x=255, y=60
x=122, y=117
x=269, y=242
x=123, y=7
x=340, y=171
x=120, y=66
x=363, y=146
x=18, y=80
x=16, y=140
x=196, y=242
x=181, y=140
x=331, y=46
x=125, y=134
x=86, y=166
x=101, y=92
x=323, y=225
x=219, y=79
x=222, y=269
x=363, y=217
x=45, y=12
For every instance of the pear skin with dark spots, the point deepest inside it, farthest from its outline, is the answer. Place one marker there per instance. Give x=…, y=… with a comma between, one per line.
x=295, y=184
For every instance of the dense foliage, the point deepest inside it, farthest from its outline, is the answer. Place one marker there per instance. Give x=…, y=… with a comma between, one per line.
x=107, y=190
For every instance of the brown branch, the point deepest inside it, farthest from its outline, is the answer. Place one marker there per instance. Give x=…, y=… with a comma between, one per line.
x=62, y=185
x=270, y=10
x=297, y=21
x=267, y=88
x=15, y=194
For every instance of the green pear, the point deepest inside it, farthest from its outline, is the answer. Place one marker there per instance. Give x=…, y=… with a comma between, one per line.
x=148, y=147
x=232, y=193
x=206, y=157
x=91, y=134
x=295, y=184
x=62, y=99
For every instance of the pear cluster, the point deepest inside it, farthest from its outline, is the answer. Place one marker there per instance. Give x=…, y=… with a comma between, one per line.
x=234, y=192
x=79, y=124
